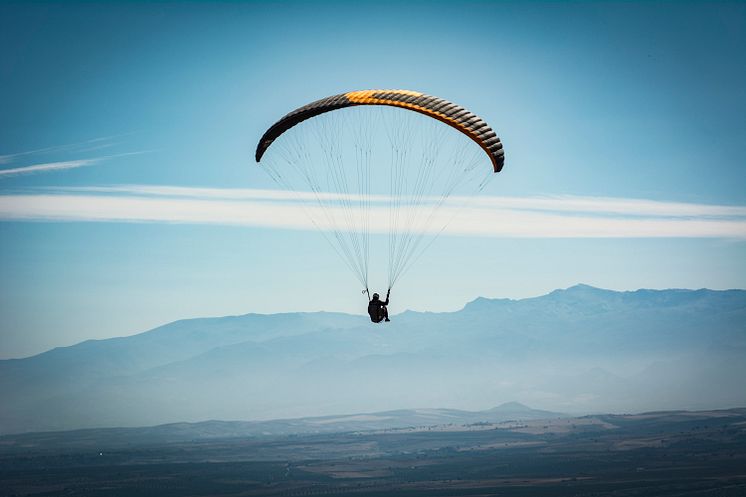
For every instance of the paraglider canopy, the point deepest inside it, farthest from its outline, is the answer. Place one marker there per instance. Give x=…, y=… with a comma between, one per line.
x=434, y=107
x=369, y=170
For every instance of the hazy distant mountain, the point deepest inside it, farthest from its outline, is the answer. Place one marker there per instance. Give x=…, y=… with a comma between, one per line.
x=414, y=419
x=575, y=350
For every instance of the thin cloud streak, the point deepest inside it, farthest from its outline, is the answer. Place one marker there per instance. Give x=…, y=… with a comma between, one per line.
x=485, y=217
x=51, y=166
x=610, y=205
x=221, y=193
x=563, y=203
x=78, y=147
x=62, y=165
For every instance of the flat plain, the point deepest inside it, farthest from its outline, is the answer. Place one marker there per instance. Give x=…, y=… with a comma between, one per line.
x=677, y=453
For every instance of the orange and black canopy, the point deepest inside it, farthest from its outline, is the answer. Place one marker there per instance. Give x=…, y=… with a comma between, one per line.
x=453, y=115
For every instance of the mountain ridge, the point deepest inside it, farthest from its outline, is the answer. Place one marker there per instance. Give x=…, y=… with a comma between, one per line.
x=175, y=325
x=574, y=349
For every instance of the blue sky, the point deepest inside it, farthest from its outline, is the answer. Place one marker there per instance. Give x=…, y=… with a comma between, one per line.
x=625, y=115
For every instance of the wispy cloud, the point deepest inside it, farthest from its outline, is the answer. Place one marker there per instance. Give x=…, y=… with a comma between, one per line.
x=539, y=217
x=216, y=193
x=546, y=203
x=77, y=147
x=61, y=165
x=610, y=205
x=69, y=156
x=50, y=166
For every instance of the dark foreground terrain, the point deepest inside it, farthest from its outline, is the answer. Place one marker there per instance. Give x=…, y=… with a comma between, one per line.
x=653, y=454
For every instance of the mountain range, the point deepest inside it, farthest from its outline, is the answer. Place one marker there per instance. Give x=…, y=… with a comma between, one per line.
x=509, y=414
x=575, y=350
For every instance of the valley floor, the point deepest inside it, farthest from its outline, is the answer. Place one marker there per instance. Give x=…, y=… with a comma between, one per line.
x=656, y=454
